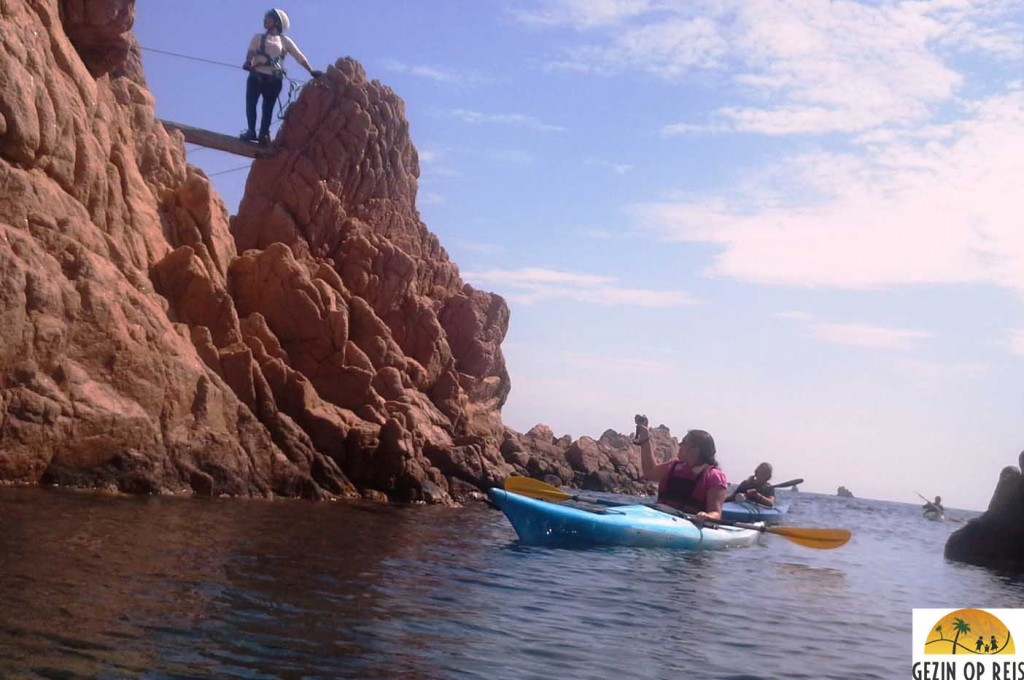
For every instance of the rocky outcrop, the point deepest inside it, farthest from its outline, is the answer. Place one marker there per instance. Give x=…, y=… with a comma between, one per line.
x=996, y=538
x=843, y=492
x=397, y=357
x=610, y=463
x=101, y=378
x=318, y=344
x=334, y=350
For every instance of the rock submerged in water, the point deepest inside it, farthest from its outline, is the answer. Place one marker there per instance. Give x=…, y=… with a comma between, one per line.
x=996, y=538
x=987, y=541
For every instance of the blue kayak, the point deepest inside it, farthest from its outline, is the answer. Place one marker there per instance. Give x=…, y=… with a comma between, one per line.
x=752, y=512
x=540, y=522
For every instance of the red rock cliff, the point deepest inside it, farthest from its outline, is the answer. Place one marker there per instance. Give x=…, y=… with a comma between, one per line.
x=322, y=345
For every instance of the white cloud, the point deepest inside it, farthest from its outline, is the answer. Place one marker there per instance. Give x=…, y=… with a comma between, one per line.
x=512, y=156
x=616, y=363
x=434, y=163
x=915, y=210
x=508, y=119
x=478, y=247
x=858, y=334
x=669, y=49
x=435, y=73
x=795, y=316
x=987, y=26
x=617, y=168
x=814, y=66
x=537, y=275
x=600, y=234
x=676, y=129
x=583, y=13
x=863, y=335
x=944, y=371
x=533, y=284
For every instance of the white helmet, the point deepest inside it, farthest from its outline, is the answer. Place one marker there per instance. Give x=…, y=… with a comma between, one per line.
x=282, y=18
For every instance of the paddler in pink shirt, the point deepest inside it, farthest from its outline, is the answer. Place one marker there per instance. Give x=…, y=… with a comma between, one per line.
x=692, y=481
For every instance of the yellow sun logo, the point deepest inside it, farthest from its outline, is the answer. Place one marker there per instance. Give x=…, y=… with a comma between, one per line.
x=969, y=631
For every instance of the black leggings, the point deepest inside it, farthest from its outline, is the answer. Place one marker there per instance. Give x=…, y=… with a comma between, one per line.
x=267, y=86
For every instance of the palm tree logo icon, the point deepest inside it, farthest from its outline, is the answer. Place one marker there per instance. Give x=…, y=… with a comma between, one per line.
x=993, y=637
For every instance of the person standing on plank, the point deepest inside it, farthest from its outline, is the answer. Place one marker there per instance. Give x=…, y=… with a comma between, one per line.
x=265, y=63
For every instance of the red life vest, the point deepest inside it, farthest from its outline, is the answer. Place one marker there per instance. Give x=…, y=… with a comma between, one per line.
x=676, y=490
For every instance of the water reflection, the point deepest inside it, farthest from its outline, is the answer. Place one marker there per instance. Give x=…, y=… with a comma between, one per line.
x=110, y=587
x=146, y=583
x=800, y=577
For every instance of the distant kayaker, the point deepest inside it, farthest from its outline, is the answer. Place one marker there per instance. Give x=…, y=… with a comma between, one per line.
x=265, y=63
x=692, y=481
x=934, y=506
x=756, y=488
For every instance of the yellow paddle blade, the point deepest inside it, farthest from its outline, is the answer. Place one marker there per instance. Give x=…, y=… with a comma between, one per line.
x=534, y=488
x=822, y=539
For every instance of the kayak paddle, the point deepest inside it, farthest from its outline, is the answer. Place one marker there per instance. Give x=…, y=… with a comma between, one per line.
x=930, y=506
x=792, y=482
x=810, y=537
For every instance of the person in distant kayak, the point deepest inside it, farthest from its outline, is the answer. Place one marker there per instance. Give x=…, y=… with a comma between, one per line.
x=934, y=506
x=756, y=488
x=265, y=63
x=692, y=481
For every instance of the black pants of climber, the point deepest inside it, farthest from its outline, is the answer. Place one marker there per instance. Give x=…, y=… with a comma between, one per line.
x=266, y=86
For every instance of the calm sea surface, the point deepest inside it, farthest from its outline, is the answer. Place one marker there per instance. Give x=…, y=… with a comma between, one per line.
x=93, y=586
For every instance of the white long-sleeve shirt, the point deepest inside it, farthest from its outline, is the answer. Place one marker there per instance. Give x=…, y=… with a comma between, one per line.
x=276, y=46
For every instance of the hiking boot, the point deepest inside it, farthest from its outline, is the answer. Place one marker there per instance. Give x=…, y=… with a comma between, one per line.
x=264, y=139
x=248, y=136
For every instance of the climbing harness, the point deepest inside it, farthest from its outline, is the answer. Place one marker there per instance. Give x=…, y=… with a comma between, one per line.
x=275, y=63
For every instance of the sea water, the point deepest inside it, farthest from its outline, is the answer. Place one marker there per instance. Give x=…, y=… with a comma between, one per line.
x=96, y=586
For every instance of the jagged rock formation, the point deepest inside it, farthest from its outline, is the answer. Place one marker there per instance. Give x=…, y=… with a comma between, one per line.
x=320, y=344
x=98, y=384
x=375, y=333
x=996, y=538
x=141, y=351
x=843, y=492
x=611, y=463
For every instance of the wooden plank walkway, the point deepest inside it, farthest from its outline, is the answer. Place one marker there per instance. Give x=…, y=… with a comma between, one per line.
x=216, y=140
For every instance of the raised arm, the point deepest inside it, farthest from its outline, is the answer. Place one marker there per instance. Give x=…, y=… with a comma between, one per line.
x=652, y=470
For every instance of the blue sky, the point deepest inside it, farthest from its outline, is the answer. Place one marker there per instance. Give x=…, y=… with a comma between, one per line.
x=793, y=223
